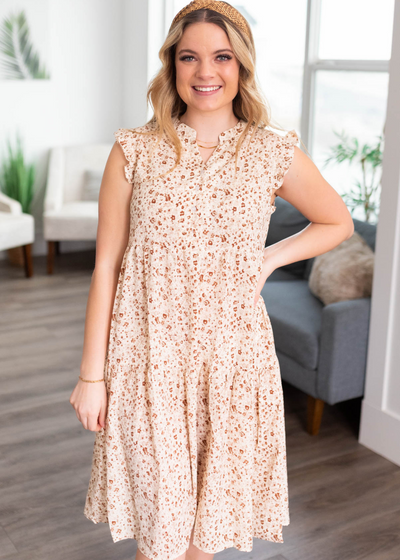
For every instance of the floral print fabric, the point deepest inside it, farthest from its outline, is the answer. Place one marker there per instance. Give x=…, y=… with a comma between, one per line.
x=195, y=433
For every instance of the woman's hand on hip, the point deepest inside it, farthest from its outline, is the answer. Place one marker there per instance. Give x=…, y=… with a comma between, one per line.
x=267, y=269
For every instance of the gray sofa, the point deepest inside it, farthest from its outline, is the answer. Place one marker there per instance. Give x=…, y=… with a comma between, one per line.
x=322, y=349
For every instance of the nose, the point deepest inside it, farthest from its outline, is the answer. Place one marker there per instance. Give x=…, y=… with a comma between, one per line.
x=204, y=70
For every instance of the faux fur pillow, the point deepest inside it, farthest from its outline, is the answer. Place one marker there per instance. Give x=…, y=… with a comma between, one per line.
x=343, y=273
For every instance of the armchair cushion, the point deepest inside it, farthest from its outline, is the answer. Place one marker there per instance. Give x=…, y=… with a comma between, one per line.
x=287, y=221
x=16, y=227
x=74, y=221
x=343, y=273
x=9, y=205
x=16, y=230
x=91, y=184
x=296, y=319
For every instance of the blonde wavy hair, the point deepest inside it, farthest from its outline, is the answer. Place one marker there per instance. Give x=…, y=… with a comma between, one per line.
x=248, y=105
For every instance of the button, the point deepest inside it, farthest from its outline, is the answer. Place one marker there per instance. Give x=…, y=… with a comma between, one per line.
x=194, y=208
x=202, y=172
x=197, y=187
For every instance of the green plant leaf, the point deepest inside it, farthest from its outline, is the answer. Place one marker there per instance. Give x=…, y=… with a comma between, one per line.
x=19, y=62
x=17, y=177
x=369, y=158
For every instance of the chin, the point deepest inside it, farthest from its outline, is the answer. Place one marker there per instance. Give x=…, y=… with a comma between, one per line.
x=207, y=104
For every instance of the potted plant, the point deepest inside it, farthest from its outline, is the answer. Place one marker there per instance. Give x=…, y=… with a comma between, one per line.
x=366, y=192
x=16, y=181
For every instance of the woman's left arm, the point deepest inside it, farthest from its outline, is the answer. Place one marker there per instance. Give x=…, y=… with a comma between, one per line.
x=331, y=222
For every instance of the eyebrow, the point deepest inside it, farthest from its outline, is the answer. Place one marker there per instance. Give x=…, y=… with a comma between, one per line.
x=194, y=52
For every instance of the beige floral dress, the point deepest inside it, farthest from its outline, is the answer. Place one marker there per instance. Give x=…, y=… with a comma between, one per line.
x=195, y=433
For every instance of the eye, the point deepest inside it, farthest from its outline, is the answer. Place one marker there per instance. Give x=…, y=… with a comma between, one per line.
x=225, y=56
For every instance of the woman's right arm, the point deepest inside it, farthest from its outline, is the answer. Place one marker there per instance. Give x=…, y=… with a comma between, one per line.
x=90, y=399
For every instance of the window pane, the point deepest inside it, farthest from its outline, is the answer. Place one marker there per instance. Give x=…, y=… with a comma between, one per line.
x=353, y=102
x=356, y=30
x=280, y=44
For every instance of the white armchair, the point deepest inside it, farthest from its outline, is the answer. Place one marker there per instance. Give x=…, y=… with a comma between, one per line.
x=67, y=216
x=17, y=229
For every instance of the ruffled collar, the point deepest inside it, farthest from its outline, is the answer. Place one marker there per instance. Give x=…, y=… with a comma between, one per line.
x=189, y=132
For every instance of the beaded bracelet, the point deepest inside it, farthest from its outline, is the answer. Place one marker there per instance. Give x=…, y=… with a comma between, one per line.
x=90, y=380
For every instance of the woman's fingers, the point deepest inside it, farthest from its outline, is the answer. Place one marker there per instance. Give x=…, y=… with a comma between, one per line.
x=82, y=419
x=102, y=416
x=92, y=423
x=90, y=404
x=88, y=420
x=260, y=285
x=266, y=271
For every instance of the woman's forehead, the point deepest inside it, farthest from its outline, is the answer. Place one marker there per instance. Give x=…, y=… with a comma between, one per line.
x=207, y=29
x=204, y=36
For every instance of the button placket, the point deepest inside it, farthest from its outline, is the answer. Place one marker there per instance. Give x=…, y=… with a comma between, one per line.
x=204, y=168
x=202, y=171
x=197, y=189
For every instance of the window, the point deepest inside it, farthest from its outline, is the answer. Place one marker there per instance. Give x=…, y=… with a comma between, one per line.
x=345, y=85
x=353, y=102
x=356, y=29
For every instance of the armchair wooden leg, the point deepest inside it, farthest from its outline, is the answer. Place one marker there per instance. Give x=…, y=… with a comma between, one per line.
x=50, y=256
x=315, y=408
x=28, y=265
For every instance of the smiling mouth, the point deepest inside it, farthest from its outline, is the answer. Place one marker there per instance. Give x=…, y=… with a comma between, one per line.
x=206, y=88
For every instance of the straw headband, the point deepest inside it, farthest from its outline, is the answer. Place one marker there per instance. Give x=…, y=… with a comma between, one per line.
x=218, y=6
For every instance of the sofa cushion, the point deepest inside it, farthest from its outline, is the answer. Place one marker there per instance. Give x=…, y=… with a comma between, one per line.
x=295, y=316
x=287, y=221
x=367, y=231
x=345, y=272
x=279, y=274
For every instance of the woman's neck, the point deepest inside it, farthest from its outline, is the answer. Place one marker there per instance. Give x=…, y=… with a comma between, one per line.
x=209, y=126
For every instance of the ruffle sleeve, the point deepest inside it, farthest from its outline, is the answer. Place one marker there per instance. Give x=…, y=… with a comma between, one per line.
x=127, y=140
x=283, y=156
x=283, y=152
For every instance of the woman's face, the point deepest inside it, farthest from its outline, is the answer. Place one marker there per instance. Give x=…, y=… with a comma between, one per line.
x=204, y=57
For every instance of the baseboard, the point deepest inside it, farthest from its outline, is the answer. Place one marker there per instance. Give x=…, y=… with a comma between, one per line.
x=379, y=431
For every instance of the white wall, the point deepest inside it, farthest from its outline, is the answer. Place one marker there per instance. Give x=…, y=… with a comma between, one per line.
x=135, y=62
x=97, y=58
x=380, y=414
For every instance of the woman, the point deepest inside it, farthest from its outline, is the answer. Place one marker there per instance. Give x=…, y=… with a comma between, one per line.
x=189, y=454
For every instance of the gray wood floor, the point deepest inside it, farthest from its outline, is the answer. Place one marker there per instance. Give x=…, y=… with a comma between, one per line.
x=344, y=499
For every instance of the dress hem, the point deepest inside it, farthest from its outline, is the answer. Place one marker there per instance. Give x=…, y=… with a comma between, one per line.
x=115, y=539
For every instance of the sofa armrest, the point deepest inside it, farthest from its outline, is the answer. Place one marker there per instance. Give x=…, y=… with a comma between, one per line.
x=55, y=180
x=9, y=205
x=343, y=350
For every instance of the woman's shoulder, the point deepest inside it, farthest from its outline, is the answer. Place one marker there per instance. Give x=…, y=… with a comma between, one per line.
x=131, y=133
x=277, y=140
x=134, y=140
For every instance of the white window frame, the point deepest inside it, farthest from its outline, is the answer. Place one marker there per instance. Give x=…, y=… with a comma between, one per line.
x=312, y=64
